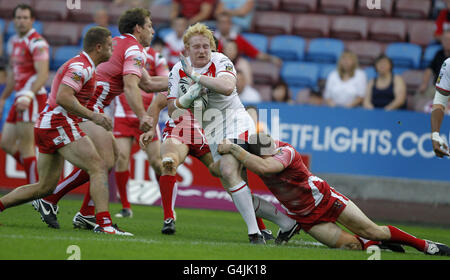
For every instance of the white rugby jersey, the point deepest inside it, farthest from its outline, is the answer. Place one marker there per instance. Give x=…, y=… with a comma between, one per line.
x=443, y=81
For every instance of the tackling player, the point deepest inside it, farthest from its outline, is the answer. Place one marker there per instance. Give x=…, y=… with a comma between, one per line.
x=59, y=137
x=313, y=203
x=123, y=73
x=438, y=110
x=224, y=118
x=27, y=73
x=126, y=129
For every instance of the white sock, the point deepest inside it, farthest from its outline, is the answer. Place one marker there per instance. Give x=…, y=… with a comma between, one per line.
x=266, y=210
x=242, y=198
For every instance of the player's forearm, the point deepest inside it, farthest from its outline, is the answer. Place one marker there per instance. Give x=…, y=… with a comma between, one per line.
x=159, y=102
x=437, y=115
x=218, y=84
x=134, y=99
x=154, y=84
x=9, y=87
x=251, y=162
x=71, y=104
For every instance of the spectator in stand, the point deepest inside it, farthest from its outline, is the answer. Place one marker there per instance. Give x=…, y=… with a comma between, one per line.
x=194, y=10
x=345, y=86
x=247, y=94
x=281, y=93
x=101, y=18
x=225, y=32
x=443, y=21
x=387, y=90
x=173, y=41
x=427, y=88
x=230, y=49
x=240, y=10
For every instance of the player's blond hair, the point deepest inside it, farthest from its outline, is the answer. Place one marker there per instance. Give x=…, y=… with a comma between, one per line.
x=199, y=29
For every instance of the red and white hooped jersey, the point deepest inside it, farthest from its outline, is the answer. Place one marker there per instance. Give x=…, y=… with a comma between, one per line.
x=128, y=57
x=77, y=73
x=24, y=52
x=156, y=65
x=297, y=189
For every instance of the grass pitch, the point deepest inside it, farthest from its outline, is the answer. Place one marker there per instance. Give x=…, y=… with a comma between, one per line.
x=201, y=235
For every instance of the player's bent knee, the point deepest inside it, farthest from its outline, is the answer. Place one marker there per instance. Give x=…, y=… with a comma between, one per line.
x=169, y=164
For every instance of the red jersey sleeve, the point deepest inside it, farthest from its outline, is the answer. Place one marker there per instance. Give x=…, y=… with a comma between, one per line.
x=134, y=61
x=285, y=155
x=39, y=49
x=74, y=76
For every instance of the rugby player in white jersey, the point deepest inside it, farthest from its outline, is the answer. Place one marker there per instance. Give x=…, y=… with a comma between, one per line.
x=224, y=117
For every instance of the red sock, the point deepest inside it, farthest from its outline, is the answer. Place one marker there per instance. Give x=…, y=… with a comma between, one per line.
x=30, y=167
x=75, y=179
x=2, y=207
x=404, y=238
x=366, y=243
x=166, y=186
x=87, y=208
x=261, y=224
x=103, y=219
x=121, y=182
x=18, y=158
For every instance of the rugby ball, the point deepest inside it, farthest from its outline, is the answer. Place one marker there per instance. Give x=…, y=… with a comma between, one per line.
x=200, y=102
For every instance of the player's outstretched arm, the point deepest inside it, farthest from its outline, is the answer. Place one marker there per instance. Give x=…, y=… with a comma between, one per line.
x=153, y=83
x=133, y=95
x=258, y=165
x=66, y=99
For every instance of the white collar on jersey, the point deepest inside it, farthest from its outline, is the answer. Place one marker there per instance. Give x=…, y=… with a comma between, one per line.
x=89, y=58
x=131, y=35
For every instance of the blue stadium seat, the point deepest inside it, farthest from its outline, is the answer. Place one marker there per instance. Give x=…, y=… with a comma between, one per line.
x=325, y=70
x=324, y=50
x=62, y=54
x=287, y=47
x=259, y=41
x=162, y=32
x=300, y=74
x=371, y=73
x=404, y=55
x=429, y=54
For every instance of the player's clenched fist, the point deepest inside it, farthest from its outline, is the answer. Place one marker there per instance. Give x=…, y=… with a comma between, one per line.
x=225, y=147
x=102, y=120
x=439, y=146
x=146, y=123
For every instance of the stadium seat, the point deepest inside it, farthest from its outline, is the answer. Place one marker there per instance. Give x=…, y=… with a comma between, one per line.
x=7, y=7
x=325, y=70
x=267, y=5
x=404, y=55
x=272, y=23
x=350, y=28
x=299, y=6
x=421, y=32
x=324, y=50
x=387, y=30
x=259, y=41
x=300, y=74
x=52, y=10
x=412, y=8
x=413, y=80
x=429, y=54
x=61, y=33
x=337, y=7
x=113, y=28
x=265, y=72
x=265, y=91
x=366, y=51
x=287, y=47
x=371, y=73
x=62, y=54
x=87, y=11
x=311, y=26
x=386, y=9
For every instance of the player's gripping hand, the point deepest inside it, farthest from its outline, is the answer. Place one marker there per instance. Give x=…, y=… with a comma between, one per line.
x=146, y=123
x=102, y=120
x=224, y=147
x=146, y=138
x=188, y=70
x=439, y=146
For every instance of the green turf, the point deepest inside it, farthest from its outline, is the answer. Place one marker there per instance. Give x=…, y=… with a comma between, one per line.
x=201, y=235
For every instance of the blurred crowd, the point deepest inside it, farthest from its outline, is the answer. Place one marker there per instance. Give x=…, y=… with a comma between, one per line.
x=348, y=85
